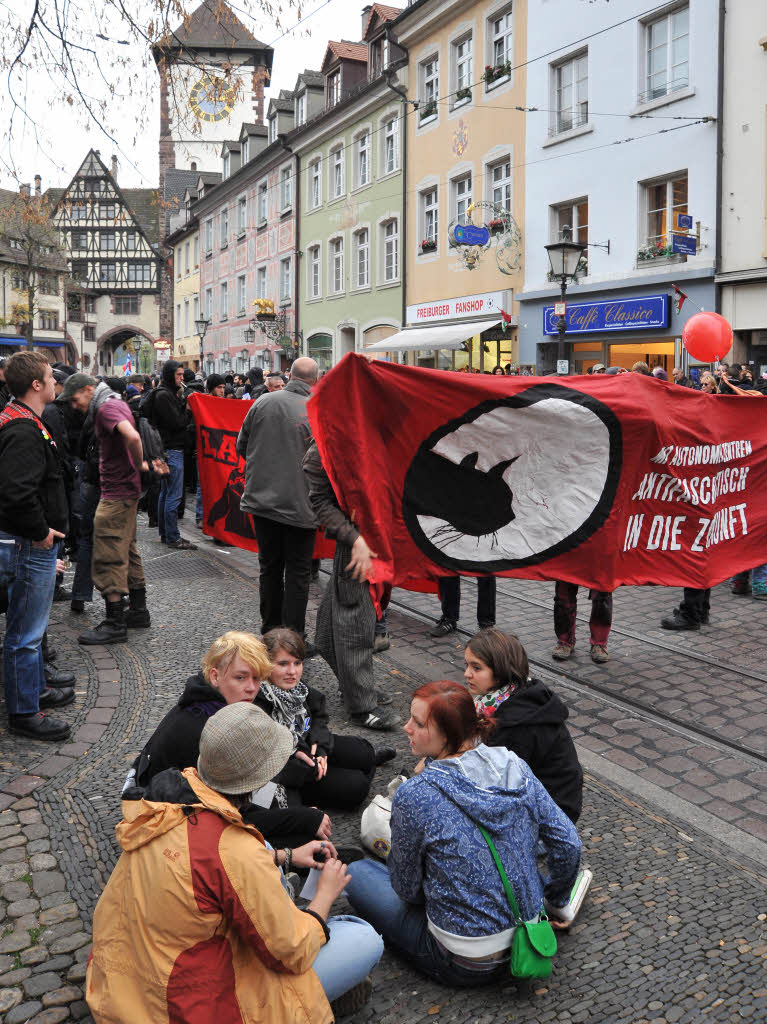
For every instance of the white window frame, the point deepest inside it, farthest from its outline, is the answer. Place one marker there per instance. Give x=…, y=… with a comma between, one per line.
x=208, y=304
x=272, y=129
x=286, y=280
x=196, y=252
x=223, y=226
x=186, y=258
x=242, y=215
x=461, y=188
x=314, y=272
x=300, y=109
x=390, y=254
x=262, y=211
x=227, y=163
x=315, y=184
x=362, y=161
x=262, y=283
x=178, y=319
x=338, y=175
x=223, y=297
x=667, y=21
x=390, y=155
x=208, y=236
x=334, y=88
x=428, y=89
x=362, y=258
x=286, y=189
x=462, y=60
x=669, y=182
x=500, y=42
x=503, y=183
x=570, y=93
x=187, y=311
x=242, y=295
x=430, y=215
x=195, y=308
x=245, y=150
x=336, y=269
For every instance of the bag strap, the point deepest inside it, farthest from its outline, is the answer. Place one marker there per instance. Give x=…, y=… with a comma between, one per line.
x=504, y=877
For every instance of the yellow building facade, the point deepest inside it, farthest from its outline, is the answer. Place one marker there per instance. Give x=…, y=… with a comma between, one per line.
x=465, y=170
x=186, y=294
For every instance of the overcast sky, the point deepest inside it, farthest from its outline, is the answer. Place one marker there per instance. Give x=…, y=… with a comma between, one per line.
x=55, y=146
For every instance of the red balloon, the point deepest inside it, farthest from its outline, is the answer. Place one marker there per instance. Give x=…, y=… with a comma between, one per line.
x=707, y=337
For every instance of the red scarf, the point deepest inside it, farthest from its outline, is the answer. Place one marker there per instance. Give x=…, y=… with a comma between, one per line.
x=16, y=411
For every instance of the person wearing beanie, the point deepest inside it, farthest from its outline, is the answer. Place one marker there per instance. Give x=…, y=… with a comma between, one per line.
x=171, y=417
x=237, y=946
x=214, y=385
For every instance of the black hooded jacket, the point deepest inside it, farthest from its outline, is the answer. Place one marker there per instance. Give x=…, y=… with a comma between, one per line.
x=168, y=412
x=531, y=723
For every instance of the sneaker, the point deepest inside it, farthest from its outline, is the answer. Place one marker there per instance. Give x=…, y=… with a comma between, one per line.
x=679, y=622
x=182, y=544
x=78, y=607
x=381, y=642
x=384, y=754
x=51, y=698
x=599, y=654
x=54, y=678
x=38, y=726
x=375, y=719
x=563, y=917
x=383, y=698
x=353, y=1000
x=562, y=651
x=443, y=626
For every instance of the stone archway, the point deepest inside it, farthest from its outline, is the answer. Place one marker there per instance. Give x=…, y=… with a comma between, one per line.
x=119, y=343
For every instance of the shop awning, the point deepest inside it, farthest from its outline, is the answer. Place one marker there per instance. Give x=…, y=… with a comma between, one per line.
x=415, y=339
x=16, y=341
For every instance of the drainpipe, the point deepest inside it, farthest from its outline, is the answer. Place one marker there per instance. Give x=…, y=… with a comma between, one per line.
x=389, y=78
x=296, y=253
x=719, y=154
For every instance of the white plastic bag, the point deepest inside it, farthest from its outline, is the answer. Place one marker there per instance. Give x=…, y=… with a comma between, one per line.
x=375, y=826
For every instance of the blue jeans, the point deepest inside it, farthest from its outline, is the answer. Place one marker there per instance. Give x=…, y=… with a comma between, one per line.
x=170, y=497
x=351, y=954
x=30, y=575
x=198, y=510
x=84, y=509
x=404, y=927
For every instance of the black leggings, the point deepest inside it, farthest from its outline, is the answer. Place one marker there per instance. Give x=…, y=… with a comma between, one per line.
x=351, y=767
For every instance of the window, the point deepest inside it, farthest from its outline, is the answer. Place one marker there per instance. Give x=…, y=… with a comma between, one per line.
x=195, y=309
x=500, y=184
x=272, y=129
x=196, y=251
x=262, y=202
x=391, y=155
x=131, y=241
x=462, y=63
x=79, y=270
x=574, y=215
x=178, y=320
x=48, y=284
x=286, y=289
x=362, y=258
x=339, y=174
x=209, y=304
x=429, y=88
x=391, y=251
x=18, y=281
x=261, y=283
x=665, y=199
x=301, y=109
x=245, y=149
x=363, y=159
x=242, y=215
x=462, y=196
x=500, y=39
x=667, y=53
x=314, y=272
x=187, y=248
x=126, y=305
x=316, y=184
x=186, y=318
x=49, y=320
x=224, y=226
x=209, y=236
x=224, y=301
x=571, y=84
x=108, y=241
x=337, y=265
x=79, y=241
x=227, y=162
x=108, y=211
x=379, y=57
x=286, y=188
x=78, y=212
x=334, y=89
x=140, y=273
x=89, y=332
x=108, y=272
x=241, y=297
x=430, y=214
x=90, y=304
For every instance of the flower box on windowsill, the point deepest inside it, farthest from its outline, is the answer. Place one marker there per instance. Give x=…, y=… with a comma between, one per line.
x=658, y=252
x=462, y=95
x=428, y=110
x=495, y=226
x=428, y=245
x=494, y=72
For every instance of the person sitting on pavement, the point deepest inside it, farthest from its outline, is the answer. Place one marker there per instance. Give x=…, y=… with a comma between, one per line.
x=325, y=770
x=232, y=671
x=194, y=922
x=529, y=718
x=439, y=900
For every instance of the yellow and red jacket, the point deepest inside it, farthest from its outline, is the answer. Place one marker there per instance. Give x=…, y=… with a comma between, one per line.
x=194, y=925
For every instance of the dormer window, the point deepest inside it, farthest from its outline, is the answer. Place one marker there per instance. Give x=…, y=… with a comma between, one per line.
x=226, y=165
x=272, y=129
x=334, y=88
x=301, y=109
x=245, y=149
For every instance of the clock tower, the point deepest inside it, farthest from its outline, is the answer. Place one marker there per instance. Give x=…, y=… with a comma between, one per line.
x=212, y=77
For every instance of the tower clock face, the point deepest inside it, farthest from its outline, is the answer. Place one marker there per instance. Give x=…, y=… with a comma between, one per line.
x=212, y=99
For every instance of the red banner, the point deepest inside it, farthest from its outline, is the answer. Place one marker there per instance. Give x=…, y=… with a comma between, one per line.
x=222, y=473
x=602, y=480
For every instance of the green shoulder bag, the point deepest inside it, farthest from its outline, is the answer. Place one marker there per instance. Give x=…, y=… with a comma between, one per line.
x=534, y=942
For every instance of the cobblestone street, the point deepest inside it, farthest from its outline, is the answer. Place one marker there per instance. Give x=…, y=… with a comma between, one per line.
x=671, y=734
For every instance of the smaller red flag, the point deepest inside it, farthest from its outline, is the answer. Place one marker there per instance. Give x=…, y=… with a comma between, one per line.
x=680, y=298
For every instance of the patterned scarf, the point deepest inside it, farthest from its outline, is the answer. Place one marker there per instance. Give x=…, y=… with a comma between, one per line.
x=289, y=707
x=488, y=703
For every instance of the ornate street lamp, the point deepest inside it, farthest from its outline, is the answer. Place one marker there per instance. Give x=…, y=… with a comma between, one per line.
x=249, y=335
x=201, y=328
x=564, y=257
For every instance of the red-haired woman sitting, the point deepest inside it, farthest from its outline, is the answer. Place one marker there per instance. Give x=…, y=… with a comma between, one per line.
x=440, y=900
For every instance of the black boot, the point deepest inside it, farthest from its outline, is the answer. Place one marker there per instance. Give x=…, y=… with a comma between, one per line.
x=137, y=616
x=680, y=620
x=111, y=631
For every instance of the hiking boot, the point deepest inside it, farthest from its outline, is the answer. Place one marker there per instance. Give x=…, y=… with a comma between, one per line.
x=56, y=698
x=741, y=589
x=352, y=1000
x=54, y=678
x=38, y=726
x=381, y=643
x=182, y=544
x=61, y=594
x=77, y=606
x=384, y=754
x=112, y=630
x=599, y=654
x=375, y=719
x=443, y=626
x=679, y=622
x=137, y=616
x=562, y=651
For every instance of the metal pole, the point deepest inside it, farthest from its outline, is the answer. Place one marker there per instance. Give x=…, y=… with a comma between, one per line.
x=562, y=325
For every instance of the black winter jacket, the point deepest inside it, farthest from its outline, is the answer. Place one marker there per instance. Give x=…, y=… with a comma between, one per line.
x=33, y=497
x=175, y=743
x=169, y=414
x=531, y=723
x=298, y=773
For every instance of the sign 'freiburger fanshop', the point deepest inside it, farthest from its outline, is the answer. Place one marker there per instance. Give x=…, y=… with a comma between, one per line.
x=465, y=307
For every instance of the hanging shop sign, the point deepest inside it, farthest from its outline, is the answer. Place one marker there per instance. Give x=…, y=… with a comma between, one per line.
x=649, y=311
x=685, y=245
x=465, y=307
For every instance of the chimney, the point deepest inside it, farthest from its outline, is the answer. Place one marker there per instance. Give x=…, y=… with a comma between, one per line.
x=365, y=15
x=24, y=190
x=38, y=185
x=114, y=167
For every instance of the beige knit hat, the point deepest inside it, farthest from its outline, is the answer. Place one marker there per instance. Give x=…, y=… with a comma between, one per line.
x=241, y=749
